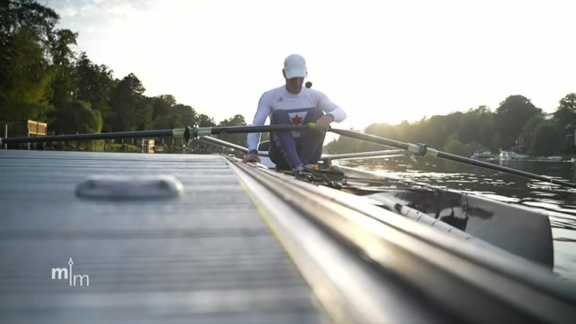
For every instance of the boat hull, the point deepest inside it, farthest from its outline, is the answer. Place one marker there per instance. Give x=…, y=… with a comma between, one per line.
x=523, y=232
x=520, y=230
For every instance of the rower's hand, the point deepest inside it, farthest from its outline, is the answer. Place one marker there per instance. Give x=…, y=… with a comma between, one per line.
x=252, y=157
x=323, y=124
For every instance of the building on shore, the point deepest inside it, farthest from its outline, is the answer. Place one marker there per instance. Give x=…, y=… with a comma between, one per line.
x=20, y=128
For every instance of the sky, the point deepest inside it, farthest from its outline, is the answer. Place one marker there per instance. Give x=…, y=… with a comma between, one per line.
x=381, y=61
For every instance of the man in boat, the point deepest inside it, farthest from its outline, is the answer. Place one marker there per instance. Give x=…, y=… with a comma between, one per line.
x=294, y=104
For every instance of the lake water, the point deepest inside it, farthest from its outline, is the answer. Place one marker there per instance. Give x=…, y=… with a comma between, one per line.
x=558, y=201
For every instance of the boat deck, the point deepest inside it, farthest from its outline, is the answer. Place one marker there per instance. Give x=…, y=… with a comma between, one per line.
x=207, y=256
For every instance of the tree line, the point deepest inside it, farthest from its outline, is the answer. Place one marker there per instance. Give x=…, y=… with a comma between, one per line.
x=515, y=125
x=43, y=79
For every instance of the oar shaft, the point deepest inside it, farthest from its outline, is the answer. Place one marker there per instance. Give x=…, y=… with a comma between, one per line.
x=100, y=136
x=206, y=131
x=186, y=133
x=423, y=150
x=465, y=160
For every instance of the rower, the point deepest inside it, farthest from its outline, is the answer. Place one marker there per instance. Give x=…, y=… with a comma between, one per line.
x=294, y=104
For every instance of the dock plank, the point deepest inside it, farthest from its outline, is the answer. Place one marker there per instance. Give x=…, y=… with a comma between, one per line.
x=206, y=256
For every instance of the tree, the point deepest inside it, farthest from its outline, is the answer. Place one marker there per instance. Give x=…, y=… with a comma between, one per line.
x=205, y=121
x=77, y=117
x=64, y=83
x=26, y=14
x=566, y=111
x=382, y=130
x=454, y=146
x=477, y=126
x=529, y=132
x=33, y=57
x=569, y=102
x=406, y=132
x=236, y=120
x=186, y=114
x=94, y=84
x=511, y=116
x=129, y=109
x=26, y=80
x=343, y=145
x=548, y=139
x=161, y=105
x=436, y=129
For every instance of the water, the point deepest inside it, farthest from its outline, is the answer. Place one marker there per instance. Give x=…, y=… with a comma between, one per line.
x=558, y=201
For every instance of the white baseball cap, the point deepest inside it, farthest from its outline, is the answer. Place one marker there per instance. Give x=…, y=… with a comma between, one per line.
x=295, y=66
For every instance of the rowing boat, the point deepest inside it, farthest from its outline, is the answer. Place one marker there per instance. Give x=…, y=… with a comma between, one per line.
x=467, y=215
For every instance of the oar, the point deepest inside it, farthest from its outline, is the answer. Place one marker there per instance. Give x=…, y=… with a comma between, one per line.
x=423, y=150
x=187, y=133
x=195, y=132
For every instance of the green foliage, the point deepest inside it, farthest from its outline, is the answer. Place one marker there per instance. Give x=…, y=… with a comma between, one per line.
x=548, y=139
x=566, y=112
x=454, y=146
x=236, y=120
x=26, y=28
x=186, y=115
x=471, y=147
x=129, y=109
x=383, y=130
x=205, y=121
x=529, y=131
x=26, y=14
x=64, y=83
x=122, y=147
x=25, y=85
x=94, y=84
x=511, y=117
x=477, y=125
x=78, y=117
x=161, y=105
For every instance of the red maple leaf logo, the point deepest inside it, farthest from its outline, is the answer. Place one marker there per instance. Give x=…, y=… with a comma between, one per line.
x=296, y=120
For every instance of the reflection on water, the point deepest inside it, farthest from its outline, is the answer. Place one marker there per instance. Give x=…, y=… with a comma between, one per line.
x=558, y=201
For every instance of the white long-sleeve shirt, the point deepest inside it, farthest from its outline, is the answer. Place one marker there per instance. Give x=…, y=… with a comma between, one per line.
x=297, y=106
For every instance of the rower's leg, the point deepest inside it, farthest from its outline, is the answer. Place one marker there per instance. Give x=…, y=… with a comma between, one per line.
x=311, y=141
x=283, y=147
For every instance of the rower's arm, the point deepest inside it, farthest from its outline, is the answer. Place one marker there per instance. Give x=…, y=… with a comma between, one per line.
x=259, y=119
x=323, y=102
